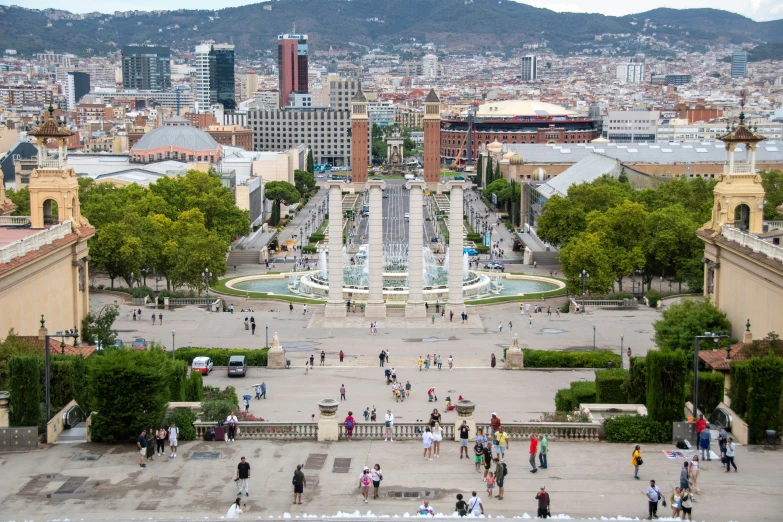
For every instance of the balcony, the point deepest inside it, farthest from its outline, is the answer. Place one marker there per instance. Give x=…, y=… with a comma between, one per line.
x=741, y=168
x=753, y=242
x=33, y=242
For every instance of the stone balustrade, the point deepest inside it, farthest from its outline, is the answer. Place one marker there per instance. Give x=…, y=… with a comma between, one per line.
x=257, y=430
x=14, y=221
x=35, y=241
x=753, y=242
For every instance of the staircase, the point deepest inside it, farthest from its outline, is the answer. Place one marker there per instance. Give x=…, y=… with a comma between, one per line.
x=243, y=257
x=76, y=434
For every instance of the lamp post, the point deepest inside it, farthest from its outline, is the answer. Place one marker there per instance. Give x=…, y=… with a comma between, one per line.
x=621, y=354
x=593, y=336
x=173, y=346
x=660, y=286
x=585, y=276
x=267, y=336
x=47, y=361
x=715, y=336
x=206, y=274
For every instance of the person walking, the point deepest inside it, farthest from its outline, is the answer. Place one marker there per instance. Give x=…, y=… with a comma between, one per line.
x=388, y=420
x=150, y=444
x=290, y=308
x=173, y=436
x=153, y=318
x=141, y=445
x=257, y=388
x=543, y=451
x=160, y=441
x=342, y=392
x=307, y=366
x=686, y=501
x=675, y=500
x=299, y=481
x=636, y=461
x=684, y=475
x=451, y=362
x=510, y=327
x=235, y=510
x=382, y=358
x=543, y=503
x=478, y=454
x=440, y=362
x=427, y=363
x=365, y=480
x=704, y=442
x=500, y=327
x=533, y=452
x=730, y=447
x=694, y=475
x=451, y=316
x=243, y=477
x=341, y=355
x=487, y=456
x=722, y=438
x=500, y=477
x=530, y=321
x=231, y=422
x=323, y=358
x=420, y=362
x=464, y=436
x=408, y=389
x=653, y=496
x=492, y=361
x=134, y=315
x=377, y=476
x=160, y=319
x=494, y=424
x=247, y=405
x=475, y=506
x=263, y=389
x=437, y=437
x=252, y=327
x=426, y=441
x=461, y=506
x=349, y=425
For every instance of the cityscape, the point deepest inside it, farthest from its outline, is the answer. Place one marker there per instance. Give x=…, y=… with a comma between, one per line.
x=314, y=238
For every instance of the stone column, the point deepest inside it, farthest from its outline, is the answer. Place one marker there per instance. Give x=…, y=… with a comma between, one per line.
x=375, y=306
x=465, y=411
x=456, y=302
x=5, y=397
x=275, y=358
x=415, y=304
x=328, y=427
x=515, y=359
x=334, y=304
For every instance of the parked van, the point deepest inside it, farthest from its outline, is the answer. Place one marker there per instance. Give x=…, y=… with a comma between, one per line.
x=237, y=365
x=201, y=364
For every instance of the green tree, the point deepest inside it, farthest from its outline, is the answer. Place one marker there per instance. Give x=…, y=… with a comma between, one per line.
x=16, y=345
x=479, y=169
x=310, y=162
x=117, y=250
x=772, y=181
x=490, y=172
x=20, y=198
x=197, y=249
x=501, y=188
x=24, y=376
x=588, y=252
x=683, y=321
x=97, y=326
x=408, y=145
x=561, y=220
x=666, y=375
x=280, y=192
x=673, y=250
x=497, y=174
x=379, y=149
x=305, y=182
x=764, y=397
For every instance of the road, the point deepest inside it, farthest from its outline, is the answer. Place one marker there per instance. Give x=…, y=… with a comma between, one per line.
x=395, y=227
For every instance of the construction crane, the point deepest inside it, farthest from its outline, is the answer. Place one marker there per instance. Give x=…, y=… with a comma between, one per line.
x=467, y=139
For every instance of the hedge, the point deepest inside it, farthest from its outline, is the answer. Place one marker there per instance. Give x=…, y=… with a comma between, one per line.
x=710, y=391
x=764, y=395
x=637, y=429
x=609, y=386
x=194, y=387
x=666, y=374
x=220, y=356
x=565, y=400
x=184, y=419
x=577, y=359
x=584, y=392
x=177, y=380
x=740, y=383
x=24, y=379
x=67, y=381
x=217, y=410
x=636, y=383
x=309, y=249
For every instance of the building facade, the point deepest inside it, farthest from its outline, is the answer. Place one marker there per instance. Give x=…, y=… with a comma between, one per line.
x=631, y=126
x=429, y=66
x=529, y=68
x=214, y=76
x=739, y=64
x=146, y=68
x=292, y=63
x=630, y=72
x=76, y=86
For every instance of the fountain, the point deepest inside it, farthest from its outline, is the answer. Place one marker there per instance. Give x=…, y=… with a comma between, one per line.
x=322, y=265
x=465, y=266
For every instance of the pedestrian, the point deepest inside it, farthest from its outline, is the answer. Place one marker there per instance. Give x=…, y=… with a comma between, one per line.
x=530, y=321
x=342, y=392
x=543, y=503
x=675, y=499
x=686, y=504
x=701, y=424
x=160, y=441
x=408, y=388
x=543, y=452
x=431, y=395
x=160, y=319
x=510, y=326
x=694, y=475
x=290, y=308
x=492, y=361
x=533, y=452
x=461, y=506
x=451, y=362
x=231, y=422
x=500, y=327
x=478, y=454
x=425, y=509
x=341, y=355
x=382, y=355
x=549, y=311
x=134, y=315
x=420, y=362
x=173, y=436
x=494, y=424
x=150, y=444
x=440, y=362
x=243, y=477
x=141, y=445
x=257, y=387
x=487, y=456
x=437, y=307
x=730, y=447
x=139, y=313
x=307, y=366
x=247, y=324
x=500, y=476
x=426, y=307
x=684, y=476
x=490, y=484
x=153, y=318
x=722, y=438
x=558, y=312
x=704, y=443
x=304, y=309
x=636, y=461
x=388, y=426
x=653, y=496
x=427, y=363
x=263, y=389
x=373, y=414
x=247, y=405
x=475, y=506
x=437, y=437
x=252, y=327
x=433, y=319
x=443, y=313
x=386, y=351
x=464, y=436
x=232, y=309
x=377, y=476
x=235, y=510
x=426, y=441
x=299, y=481
x=312, y=361
x=451, y=316
x=349, y=424
x=323, y=357
x=501, y=442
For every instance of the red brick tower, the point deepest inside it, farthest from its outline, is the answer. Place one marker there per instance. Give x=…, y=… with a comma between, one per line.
x=432, y=139
x=360, y=128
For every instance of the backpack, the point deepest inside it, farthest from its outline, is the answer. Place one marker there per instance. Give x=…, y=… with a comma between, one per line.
x=349, y=424
x=505, y=469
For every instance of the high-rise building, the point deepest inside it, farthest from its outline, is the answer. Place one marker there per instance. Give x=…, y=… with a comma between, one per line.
x=429, y=66
x=215, y=76
x=739, y=64
x=529, y=68
x=205, y=66
x=630, y=72
x=77, y=85
x=292, y=60
x=146, y=68
x=250, y=84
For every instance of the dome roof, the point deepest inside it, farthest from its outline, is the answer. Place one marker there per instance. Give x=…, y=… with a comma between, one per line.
x=495, y=146
x=182, y=136
x=516, y=159
x=508, y=154
x=514, y=108
x=600, y=140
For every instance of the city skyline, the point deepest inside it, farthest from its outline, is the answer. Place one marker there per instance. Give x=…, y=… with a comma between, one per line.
x=758, y=10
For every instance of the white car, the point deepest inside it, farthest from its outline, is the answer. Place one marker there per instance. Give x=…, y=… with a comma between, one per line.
x=407, y=216
x=320, y=176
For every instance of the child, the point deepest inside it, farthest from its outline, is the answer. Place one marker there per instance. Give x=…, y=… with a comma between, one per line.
x=397, y=394
x=372, y=414
x=478, y=450
x=490, y=484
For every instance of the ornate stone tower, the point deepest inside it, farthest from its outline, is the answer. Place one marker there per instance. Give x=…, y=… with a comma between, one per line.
x=432, y=139
x=360, y=128
x=739, y=196
x=53, y=181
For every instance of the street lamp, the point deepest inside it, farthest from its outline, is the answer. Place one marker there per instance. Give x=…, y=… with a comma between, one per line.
x=206, y=274
x=593, y=335
x=173, y=346
x=584, y=276
x=47, y=370
x=267, y=336
x=621, y=354
x=715, y=336
x=660, y=286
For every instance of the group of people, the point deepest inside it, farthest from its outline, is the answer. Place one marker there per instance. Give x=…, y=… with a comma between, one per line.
x=434, y=360
x=151, y=443
x=137, y=316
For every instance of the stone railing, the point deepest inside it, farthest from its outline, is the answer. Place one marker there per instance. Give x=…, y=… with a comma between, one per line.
x=32, y=243
x=774, y=225
x=604, y=303
x=753, y=242
x=401, y=431
x=560, y=431
x=189, y=301
x=140, y=301
x=741, y=168
x=257, y=430
x=14, y=221
x=55, y=163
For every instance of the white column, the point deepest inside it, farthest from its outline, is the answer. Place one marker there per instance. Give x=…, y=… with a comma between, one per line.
x=334, y=304
x=456, y=302
x=415, y=305
x=731, y=157
x=375, y=308
x=752, y=151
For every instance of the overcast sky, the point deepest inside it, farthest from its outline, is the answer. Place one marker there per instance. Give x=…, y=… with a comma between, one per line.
x=755, y=9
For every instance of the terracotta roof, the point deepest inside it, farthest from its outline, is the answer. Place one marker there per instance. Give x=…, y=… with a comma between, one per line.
x=56, y=349
x=50, y=129
x=741, y=133
x=84, y=232
x=717, y=360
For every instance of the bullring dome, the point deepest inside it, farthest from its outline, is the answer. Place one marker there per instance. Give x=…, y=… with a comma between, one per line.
x=179, y=136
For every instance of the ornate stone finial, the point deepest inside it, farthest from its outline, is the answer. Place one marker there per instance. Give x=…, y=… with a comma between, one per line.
x=465, y=409
x=42, y=321
x=51, y=111
x=742, y=118
x=328, y=408
x=747, y=326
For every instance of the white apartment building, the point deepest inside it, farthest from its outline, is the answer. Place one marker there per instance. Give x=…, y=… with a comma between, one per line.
x=630, y=72
x=429, y=66
x=202, y=94
x=381, y=113
x=529, y=68
x=631, y=126
x=680, y=130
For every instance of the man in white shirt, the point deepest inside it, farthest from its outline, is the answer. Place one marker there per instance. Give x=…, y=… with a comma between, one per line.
x=231, y=422
x=475, y=506
x=426, y=439
x=426, y=509
x=173, y=434
x=388, y=433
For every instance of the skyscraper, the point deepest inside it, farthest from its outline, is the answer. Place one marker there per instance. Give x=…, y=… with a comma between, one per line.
x=76, y=86
x=429, y=66
x=215, y=76
x=146, y=68
x=739, y=64
x=630, y=72
x=292, y=59
x=529, y=68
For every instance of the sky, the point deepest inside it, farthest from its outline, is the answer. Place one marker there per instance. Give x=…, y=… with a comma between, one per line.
x=759, y=10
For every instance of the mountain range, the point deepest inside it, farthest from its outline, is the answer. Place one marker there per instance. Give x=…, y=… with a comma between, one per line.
x=456, y=25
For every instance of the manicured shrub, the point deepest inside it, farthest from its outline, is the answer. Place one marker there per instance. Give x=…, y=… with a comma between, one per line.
x=710, y=391
x=24, y=379
x=309, y=249
x=178, y=375
x=609, y=386
x=636, y=382
x=653, y=296
x=194, y=388
x=584, y=392
x=740, y=384
x=184, y=419
x=315, y=238
x=67, y=380
x=577, y=359
x=129, y=391
x=565, y=400
x=666, y=374
x=220, y=356
x=637, y=429
x=217, y=410
x=764, y=393
x=229, y=393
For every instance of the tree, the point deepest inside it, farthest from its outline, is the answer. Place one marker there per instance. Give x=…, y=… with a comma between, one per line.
x=479, y=169
x=772, y=181
x=310, y=162
x=497, y=175
x=561, y=220
x=116, y=249
x=408, y=145
x=501, y=188
x=305, y=182
x=97, y=326
x=625, y=229
x=20, y=198
x=24, y=376
x=379, y=149
x=683, y=321
x=197, y=249
x=280, y=192
x=589, y=252
x=673, y=249
x=489, y=171
x=666, y=375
